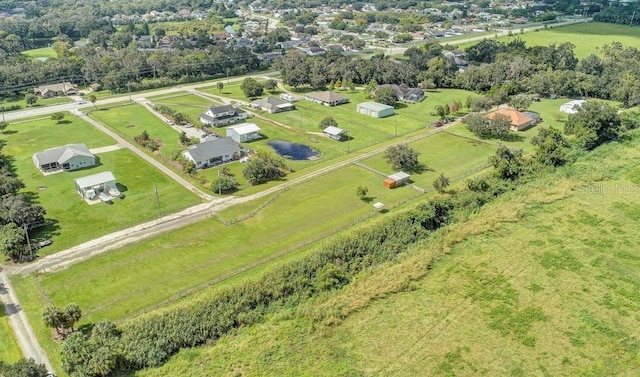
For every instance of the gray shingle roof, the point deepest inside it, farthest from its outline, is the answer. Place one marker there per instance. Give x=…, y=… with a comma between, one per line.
x=326, y=96
x=213, y=148
x=61, y=154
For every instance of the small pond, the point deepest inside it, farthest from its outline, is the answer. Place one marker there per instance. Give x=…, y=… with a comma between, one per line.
x=294, y=151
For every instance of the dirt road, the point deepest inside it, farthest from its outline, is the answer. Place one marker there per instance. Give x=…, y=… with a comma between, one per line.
x=20, y=324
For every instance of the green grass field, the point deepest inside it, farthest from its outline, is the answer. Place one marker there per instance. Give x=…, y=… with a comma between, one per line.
x=163, y=267
x=9, y=350
x=587, y=37
x=21, y=103
x=452, y=156
x=544, y=281
x=44, y=52
x=73, y=221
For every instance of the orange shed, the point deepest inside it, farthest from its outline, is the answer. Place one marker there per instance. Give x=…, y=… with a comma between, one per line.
x=389, y=183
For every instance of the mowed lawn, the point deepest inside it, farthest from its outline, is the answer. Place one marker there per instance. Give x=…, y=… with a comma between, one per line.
x=587, y=37
x=544, y=281
x=9, y=350
x=443, y=153
x=121, y=283
x=71, y=220
x=44, y=52
x=233, y=90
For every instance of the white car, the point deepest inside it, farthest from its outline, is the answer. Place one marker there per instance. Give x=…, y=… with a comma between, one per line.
x=81, y=102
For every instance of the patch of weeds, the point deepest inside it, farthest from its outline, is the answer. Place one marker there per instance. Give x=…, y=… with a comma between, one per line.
x=592, y=324
x=535, y=287
x=508, y=321
x=629, y=210
x=589, y=219
x=562, y=260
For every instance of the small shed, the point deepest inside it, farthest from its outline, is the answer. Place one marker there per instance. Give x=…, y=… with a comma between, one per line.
x=244, y=132
x=572, y=107
x=334, y=132
x=396, y=179
x=374, y=109
x=91, y=186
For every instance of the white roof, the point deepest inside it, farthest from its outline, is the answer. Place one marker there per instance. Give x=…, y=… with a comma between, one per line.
x=399, y=176
x=244, y=128
x=94, y=180
x=334, y=131
x=378, y=205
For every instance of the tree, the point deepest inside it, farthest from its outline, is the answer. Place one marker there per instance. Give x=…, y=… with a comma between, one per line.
x=18, y=210
x=362, y=192
x=328, y=122
x=500, y=125
x=402, y=157
x=594, y=124
x=93, y=99
x=30, y=99
x=484, y=127
x=11, y=240
x=270, y=85
x=58, y=117
x=225, y=185
x=24, y=368
x=507, y=163
x=263, y=168
x=370, y=89
x=183, y=138
x=220, y=86
x=441, y=183
x=54, y=317
x=3, y=126
x=551, y=147
x=519, y=101
x=71, y=315
x=251, y=88
x=8, y=183
x=439, y=110
x=387, y=96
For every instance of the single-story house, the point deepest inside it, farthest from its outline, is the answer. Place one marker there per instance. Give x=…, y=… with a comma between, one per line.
x=572, y=107
x=91, y=186
x=315, y=51
x=396, y=179
x=272, y=105
x=69, y=157
x=519, y=121
x=60, y=89
x=405, y=93
x=213, y=152
x=326, y=98
x=334, y=132
x=217, y=116
x=374, y=109
x=244, y=132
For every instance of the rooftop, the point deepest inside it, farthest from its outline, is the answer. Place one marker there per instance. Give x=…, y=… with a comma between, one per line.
x=95, y=179
x=245, y=128
x=375, y=106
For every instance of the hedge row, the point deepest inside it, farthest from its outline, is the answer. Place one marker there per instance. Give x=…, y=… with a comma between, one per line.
x=150, y=340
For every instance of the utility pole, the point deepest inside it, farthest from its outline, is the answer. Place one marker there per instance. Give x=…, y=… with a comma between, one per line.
x=155, y=190
x=632, y=17
x=26, y=235
x=129, y=90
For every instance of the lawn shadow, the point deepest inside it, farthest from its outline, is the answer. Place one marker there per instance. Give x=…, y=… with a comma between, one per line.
x=121, y=187
x=418, y=169
x=400, y=105
x=9, y=132
x=64, y=121
x=49, y=230
x=512, y=137
x=368, y=199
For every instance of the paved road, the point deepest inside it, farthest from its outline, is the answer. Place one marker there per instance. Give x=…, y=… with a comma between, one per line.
x=124, y=143
x=46, y=110
x=20, y=324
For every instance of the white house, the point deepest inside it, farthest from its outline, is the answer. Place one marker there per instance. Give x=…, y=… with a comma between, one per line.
x=212, y=152
x=572, y=107
x=272, y=105
x=69, y=157
x=244, y=132
x=217, y=116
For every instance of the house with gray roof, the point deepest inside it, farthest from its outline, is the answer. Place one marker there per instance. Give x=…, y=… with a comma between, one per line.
x=217, y=116
x=53, y=90
x=326, y=98
x=405, y=93
x=93, y=185
x=213, y=152
x=67, y=158
x=272, y=105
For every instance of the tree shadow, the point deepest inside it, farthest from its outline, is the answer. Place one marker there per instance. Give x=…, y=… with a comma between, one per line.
x=121, y=187
x=64, y=121
x=86, y=328
x=368, y=199
x=513, y=137
x=9, y=132
x=400, y=105
x=418, y=169
x=49, y=230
